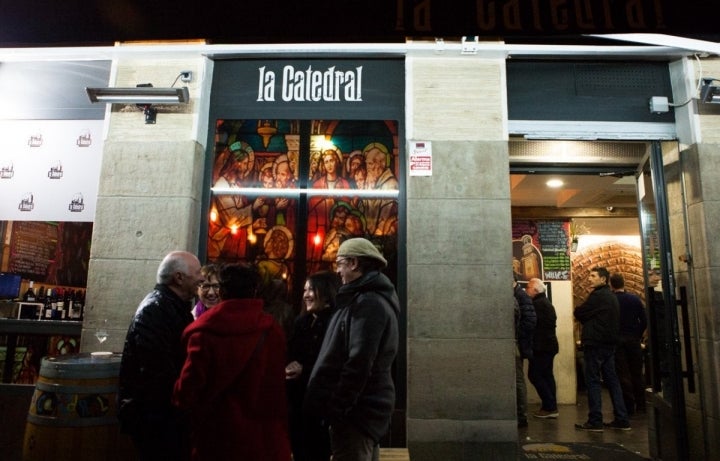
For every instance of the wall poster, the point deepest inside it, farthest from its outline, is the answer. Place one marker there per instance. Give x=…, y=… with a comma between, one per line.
x=541, y=249
x=49, y=169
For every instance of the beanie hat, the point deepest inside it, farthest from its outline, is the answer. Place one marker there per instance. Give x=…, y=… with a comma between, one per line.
x=360, y=247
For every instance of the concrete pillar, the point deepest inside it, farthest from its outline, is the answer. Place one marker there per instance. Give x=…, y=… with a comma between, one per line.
x=149, y=200
x=461, y=371
x=691, y=174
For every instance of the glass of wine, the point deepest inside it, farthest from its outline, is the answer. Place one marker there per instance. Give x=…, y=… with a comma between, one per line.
x=101, y=333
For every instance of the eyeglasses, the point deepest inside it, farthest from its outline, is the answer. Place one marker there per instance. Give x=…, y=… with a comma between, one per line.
x=210, y=286
x=341, y=261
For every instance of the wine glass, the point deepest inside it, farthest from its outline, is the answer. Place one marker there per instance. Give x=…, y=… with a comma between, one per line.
x=101, y=332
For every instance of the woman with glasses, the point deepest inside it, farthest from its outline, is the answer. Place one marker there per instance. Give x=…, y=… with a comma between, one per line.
x=209, y=291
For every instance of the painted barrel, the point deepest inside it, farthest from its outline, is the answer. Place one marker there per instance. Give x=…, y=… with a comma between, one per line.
x=73, y=412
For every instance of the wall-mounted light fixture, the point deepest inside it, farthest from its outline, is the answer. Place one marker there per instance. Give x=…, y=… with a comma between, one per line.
x=144, y=95
x=139, y=95
x=709, y=93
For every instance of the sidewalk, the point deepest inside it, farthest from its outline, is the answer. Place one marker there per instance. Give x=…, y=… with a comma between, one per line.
x=558, y=436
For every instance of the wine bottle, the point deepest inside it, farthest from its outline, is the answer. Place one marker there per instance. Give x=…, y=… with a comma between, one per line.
x=29, y=295
x=70, y=304
x=80, y=300
x=48, y=309
x=60, y=305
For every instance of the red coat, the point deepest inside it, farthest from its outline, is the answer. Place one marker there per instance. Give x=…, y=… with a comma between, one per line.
x=233, y=389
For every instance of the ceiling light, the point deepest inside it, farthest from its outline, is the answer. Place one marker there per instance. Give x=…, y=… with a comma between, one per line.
x=555, y=183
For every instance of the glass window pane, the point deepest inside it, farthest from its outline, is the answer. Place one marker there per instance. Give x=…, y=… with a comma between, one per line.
x=276, y=180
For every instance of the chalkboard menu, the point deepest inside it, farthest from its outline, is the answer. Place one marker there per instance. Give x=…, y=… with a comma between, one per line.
x=554, y=238
x=32, y=248
x=55, y=253
x=541, y=249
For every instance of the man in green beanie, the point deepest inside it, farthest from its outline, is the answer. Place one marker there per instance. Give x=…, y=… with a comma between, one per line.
x=351, y=386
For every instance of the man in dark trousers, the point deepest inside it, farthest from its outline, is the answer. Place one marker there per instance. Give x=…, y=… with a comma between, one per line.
x=152, y=358
x=351, y=385
x=629, y=354
x=525, y=321
x=545, y=347
x=600, y=318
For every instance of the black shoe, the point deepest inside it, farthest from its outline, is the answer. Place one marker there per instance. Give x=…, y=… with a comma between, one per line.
x=589, y=427
x=617, y=425
x=523, y=423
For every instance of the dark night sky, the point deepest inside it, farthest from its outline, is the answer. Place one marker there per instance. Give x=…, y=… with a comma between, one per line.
x=102, y=22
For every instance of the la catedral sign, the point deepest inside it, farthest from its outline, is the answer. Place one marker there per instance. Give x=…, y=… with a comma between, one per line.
x=37, y=22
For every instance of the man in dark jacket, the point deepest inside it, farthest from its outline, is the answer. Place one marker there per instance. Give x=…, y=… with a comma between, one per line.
x=545, y=347
x=351, y=385
x=629, y=353
x=525, y=321
x=600, y=318
x=152, y=358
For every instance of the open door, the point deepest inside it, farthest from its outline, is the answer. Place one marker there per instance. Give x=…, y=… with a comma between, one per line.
x=666, y=400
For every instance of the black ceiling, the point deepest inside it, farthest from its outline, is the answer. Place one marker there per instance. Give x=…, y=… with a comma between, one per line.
x=103, y=22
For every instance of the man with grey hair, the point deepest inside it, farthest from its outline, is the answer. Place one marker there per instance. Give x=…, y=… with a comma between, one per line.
x=545, y=347
x=152, y=358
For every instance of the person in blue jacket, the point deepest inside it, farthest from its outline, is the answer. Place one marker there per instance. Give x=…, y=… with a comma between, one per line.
x=525, y=321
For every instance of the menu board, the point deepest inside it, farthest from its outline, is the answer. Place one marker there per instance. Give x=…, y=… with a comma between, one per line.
x=55, y=253
x=541, y=249
x=554, y=238
x=32, y=248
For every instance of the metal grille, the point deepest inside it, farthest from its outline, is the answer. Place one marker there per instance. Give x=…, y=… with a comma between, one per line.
x=577, y=152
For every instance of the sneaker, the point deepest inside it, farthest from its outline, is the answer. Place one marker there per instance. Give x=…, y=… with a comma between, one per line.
x=546, y=414
x=617, y=425
x=589, y=427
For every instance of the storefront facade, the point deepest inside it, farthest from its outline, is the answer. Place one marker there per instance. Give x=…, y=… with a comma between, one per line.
x=452, y=227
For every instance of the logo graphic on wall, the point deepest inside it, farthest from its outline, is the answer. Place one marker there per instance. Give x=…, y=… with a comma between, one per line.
x=56, y=171
x=7, y=171
x=77, y=204
x=84, y=140
x=26, y=203
x=35, y=140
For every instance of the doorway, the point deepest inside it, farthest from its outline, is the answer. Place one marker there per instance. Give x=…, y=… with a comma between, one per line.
x=599, y=201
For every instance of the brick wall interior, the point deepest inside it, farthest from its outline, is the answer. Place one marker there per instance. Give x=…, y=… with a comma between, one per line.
x=615, y=257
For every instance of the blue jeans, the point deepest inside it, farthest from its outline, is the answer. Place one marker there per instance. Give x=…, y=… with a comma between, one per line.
x=601, y=359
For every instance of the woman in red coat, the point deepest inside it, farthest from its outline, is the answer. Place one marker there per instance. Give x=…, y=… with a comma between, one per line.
x=232, y=384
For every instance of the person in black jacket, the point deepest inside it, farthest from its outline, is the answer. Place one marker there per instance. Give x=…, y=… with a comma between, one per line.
x=545, y=347
x=351, y=386
x=629, y=353
x=153, y=356
x=600, y=318
x=310, y=439
x=525, y=321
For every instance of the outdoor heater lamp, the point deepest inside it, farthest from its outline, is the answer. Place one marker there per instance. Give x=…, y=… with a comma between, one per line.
x=141, y=95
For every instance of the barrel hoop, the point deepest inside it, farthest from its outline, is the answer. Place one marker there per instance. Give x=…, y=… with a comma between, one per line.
x=64, y=389
x=93, y=372
x=79, y=422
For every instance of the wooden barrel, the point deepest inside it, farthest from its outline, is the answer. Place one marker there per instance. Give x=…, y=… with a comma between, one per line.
x=73, y=412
